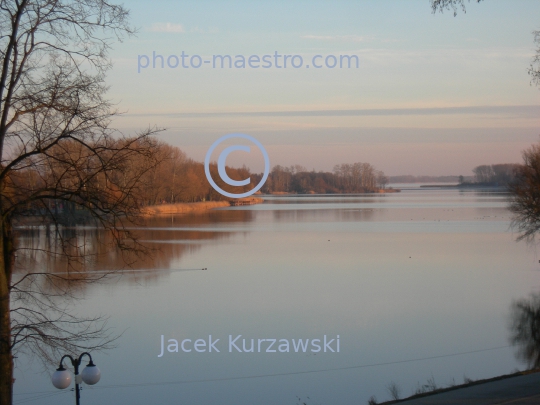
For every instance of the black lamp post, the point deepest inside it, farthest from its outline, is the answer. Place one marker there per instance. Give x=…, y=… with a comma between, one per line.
x=61, y=378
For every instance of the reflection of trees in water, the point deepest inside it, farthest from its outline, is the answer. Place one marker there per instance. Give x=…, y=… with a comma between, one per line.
x=326, y=199
x=39, y=249
x=525, y=329
x=54, y=265
x=310, y=215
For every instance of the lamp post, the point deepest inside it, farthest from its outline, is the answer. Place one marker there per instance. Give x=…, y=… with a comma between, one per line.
x=61, y=378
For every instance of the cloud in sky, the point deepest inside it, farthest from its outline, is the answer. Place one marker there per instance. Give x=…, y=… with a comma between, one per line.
x=167, y=27
x=344, y=38
x=507, y=110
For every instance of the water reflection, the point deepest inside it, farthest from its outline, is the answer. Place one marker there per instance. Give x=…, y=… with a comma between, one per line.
x=90, y=249
x=383, y=275
x=525, y=329
x=343, y=215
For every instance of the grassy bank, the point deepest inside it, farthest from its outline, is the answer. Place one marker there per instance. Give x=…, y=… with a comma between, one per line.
x=185, y=208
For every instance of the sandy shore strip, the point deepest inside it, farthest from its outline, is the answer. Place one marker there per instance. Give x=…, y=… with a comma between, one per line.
x=185, y=208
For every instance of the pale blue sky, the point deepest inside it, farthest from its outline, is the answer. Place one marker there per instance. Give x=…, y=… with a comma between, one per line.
x=412, y=63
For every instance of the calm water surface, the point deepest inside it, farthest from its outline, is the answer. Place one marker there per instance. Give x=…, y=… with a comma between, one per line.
x=421, y=275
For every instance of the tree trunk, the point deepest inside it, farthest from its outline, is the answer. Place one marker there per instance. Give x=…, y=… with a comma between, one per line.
x=6, y=358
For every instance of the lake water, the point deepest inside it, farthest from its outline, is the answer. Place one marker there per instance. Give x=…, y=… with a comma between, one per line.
x=417, y=285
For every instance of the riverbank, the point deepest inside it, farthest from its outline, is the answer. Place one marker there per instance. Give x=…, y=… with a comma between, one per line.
x=186, y=208
x=510, y=387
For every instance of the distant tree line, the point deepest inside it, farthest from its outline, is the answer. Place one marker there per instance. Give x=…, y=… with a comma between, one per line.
x=498, y=174
x=172, y=178
x=133, y=172
x=426, y=179
x=502, y=174
x=345, y=178
x=181, y=179
x=175, y=178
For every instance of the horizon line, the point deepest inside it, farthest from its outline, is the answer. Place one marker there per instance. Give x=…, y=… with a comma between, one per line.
x=521, y=110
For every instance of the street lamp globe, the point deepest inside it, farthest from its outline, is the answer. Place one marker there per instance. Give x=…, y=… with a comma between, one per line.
x=91, y=374
x=61, y=378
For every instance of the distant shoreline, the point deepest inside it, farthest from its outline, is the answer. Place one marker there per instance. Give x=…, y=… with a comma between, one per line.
x=379, y=191
x=185, y=208
x=475, y=186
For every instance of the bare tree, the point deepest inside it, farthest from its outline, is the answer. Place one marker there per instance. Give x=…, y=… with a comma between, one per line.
x=394, y=391
x=525, y=195
x=382, y=179
x=483, y=173
x=60, y=159
x=525, y=329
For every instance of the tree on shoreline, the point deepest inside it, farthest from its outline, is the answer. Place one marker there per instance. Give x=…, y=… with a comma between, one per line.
x=59, y=156
x=525, y=195
x=525, y=187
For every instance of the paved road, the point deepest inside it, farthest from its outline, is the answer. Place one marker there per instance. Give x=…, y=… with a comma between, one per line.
x=521, y=390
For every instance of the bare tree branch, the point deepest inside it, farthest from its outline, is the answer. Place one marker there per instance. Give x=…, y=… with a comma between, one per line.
x=454, y=5
x=534, y=70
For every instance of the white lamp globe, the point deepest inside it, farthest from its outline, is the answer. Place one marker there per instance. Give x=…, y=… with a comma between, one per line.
x=91, y=374
x=61, y=378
